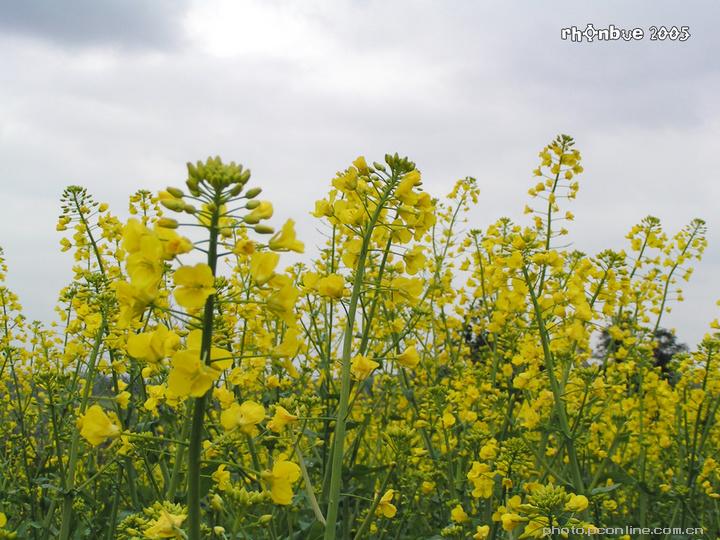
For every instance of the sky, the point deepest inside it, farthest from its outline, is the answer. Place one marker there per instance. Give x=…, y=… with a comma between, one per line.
x=117, y=95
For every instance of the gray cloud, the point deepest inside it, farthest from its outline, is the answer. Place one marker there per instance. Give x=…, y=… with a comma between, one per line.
x=132, y=24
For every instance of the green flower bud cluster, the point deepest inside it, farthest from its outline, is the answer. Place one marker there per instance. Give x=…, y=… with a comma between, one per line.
x=549, y=500
x=217, y=174
x=134, y=525
x=243, y=497
x=452, y=531
x=400, y=165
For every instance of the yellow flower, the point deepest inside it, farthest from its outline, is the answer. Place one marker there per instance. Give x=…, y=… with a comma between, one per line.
x=458, y=514
x=282, y=300
x=577, y=503
x=190, y=375
x=152, y=347
x=414, y=260
x=3, y=520
x=535, y=527
x=408, y=289
x=361, y=165
x=155, y=394
x=482, y=478
x=323, y=208
x=351, y=252
x=193, y=285
x=409, y=358
x=244, y=247
x=132, y=234
x=489, y=450
x=482, y=532
x=132, y=300
x=404, y=189
x=284, y=474
x=138, y=346
x=285, y=240
x=96, y=426
x=385, y=507
x=262, y=211
x=362, y=366
x=173, y=244
x=332, y=286
x=262, y=266
x=221, y=478
x=145, y=266
x=511, y=520
x=123, y=399
x=289, y=346
x=281, y=419
x=309, y=280
x=245, y=416
x=166, y=526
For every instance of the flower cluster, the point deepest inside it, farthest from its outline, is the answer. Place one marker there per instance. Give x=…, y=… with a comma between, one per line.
x=421, y=376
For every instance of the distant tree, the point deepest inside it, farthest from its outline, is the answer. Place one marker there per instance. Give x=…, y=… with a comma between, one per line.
x=666, y=347
x=478, y=342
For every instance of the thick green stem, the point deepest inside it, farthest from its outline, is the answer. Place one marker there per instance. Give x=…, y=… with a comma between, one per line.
x=196, y=430
x=556, y=389
x=345, y=381
x=179, y=458
x=338, y=449
x=194, y=452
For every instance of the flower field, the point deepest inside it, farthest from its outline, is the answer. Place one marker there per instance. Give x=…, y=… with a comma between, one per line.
x=422, y=377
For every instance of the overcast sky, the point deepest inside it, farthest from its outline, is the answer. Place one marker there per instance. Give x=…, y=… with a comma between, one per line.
x=117, y=95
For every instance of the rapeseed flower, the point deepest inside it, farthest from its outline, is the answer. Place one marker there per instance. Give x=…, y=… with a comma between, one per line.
x=245, y=416
x=281, y=419
x=281, y=479
x=409, y=358
x=192, y=375
x=193, y=285
x=96, y=426
x=362, y=367
x=285, y=240
x=385, y=507
x=262, y=266
x=166, y=526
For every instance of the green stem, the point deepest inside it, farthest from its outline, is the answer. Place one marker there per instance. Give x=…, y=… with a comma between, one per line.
x=69, y=484
x=345, y=382
x=556, y=389
x=345, y=379
x=196, y=430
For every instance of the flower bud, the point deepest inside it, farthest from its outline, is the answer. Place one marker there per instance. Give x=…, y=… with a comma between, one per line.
x=217, y=503
x=192, y=184
x=253, y=192
x=190, y=209
x=245, y=176
x=263, y=229
x=175, y=205
x=252, y=204
x=167, y=223
x=175, y=192
x=235, y=191
x=193, y=172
